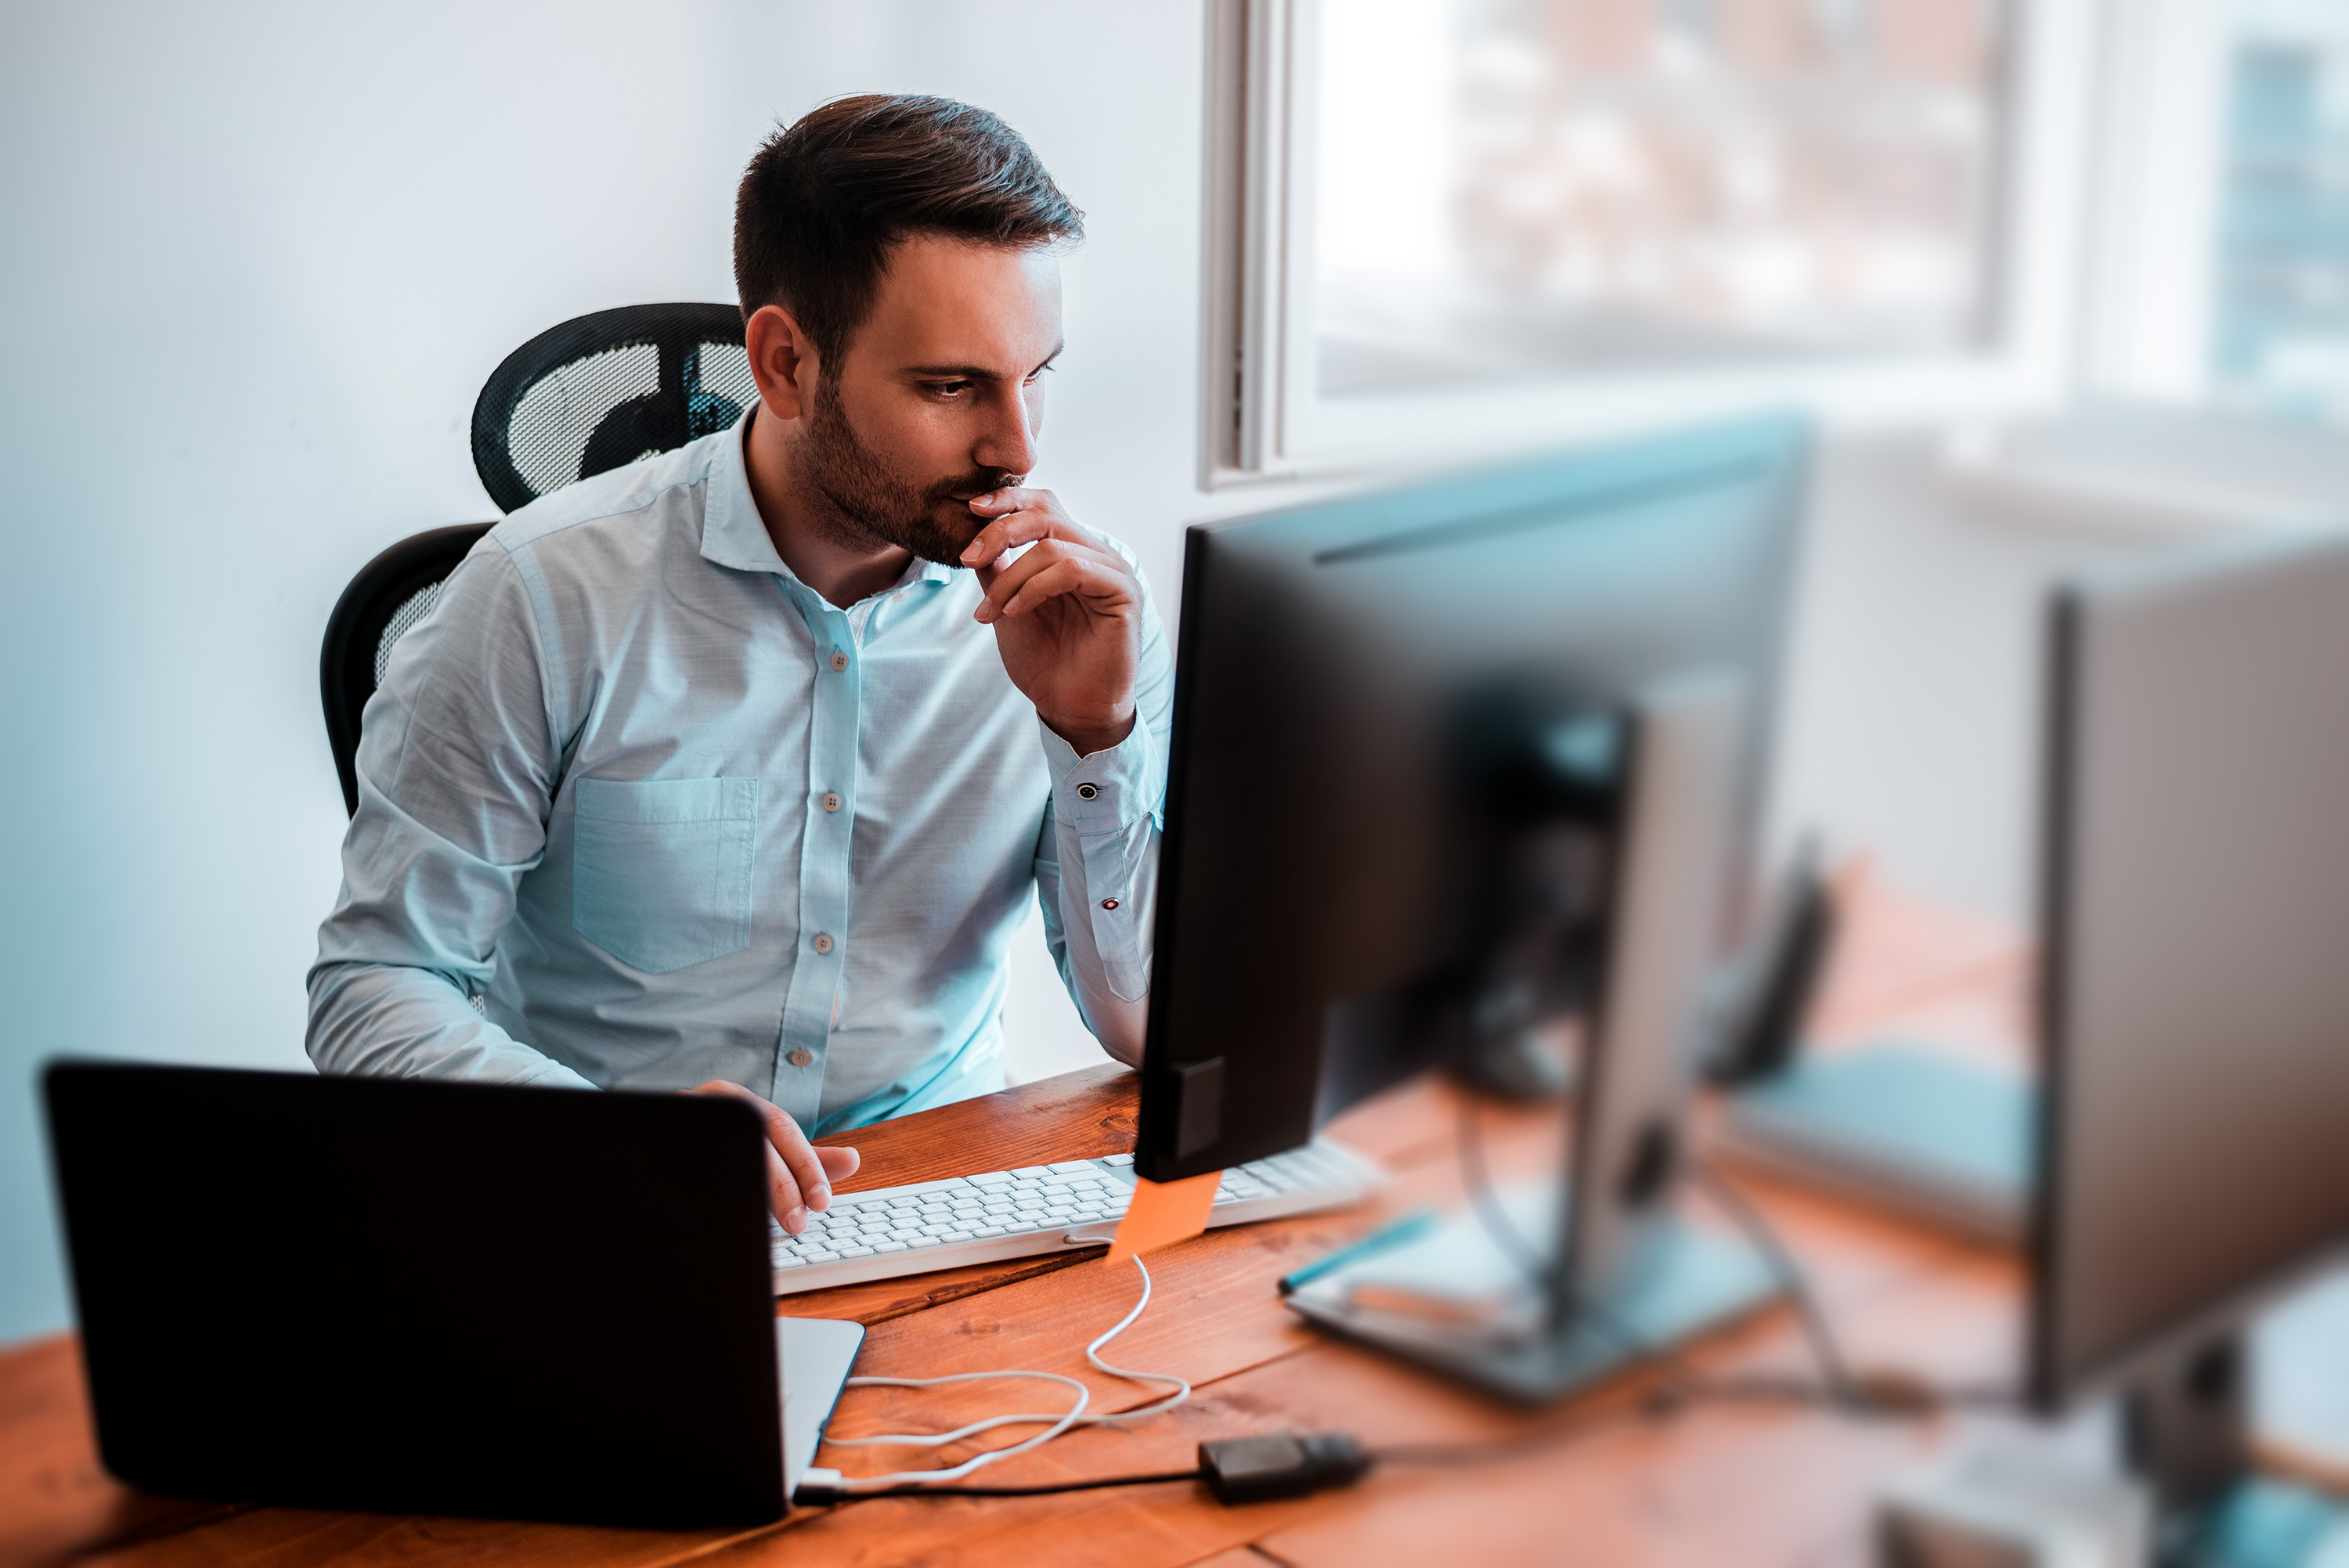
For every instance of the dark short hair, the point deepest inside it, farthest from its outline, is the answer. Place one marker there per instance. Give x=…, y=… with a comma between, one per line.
x=824, y=199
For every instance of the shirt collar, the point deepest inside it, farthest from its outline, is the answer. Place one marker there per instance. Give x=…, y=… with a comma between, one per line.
x=734, y=534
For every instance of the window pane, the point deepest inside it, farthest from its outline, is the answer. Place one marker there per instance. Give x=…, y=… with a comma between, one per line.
x=2281, y=317
x=1511, y=187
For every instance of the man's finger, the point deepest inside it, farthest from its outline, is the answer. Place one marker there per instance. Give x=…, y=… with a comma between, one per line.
x=1002, y=582
x=783, y=1195
x=1062, y=577
x=1005, y=533
x=990, y=543
x=814, y=1186
x=839, y=1164
x=1099, y=577
x=1012, y=499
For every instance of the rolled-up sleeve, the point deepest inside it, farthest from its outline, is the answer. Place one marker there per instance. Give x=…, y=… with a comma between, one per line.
x=1097, y=858
x=458, y=757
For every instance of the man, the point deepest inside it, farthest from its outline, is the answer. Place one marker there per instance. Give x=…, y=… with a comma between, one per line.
x=734, y=768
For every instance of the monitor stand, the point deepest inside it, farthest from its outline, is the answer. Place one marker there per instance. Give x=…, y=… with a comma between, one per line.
x=2185, y=1424
x=1576, y=1278
x=1458, y=1301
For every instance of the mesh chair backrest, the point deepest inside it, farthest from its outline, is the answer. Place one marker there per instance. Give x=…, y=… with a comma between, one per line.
x=604, y=389
x=390, y=595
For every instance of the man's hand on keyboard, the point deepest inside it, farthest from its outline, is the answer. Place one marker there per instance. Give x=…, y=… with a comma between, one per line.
x=799, y=1174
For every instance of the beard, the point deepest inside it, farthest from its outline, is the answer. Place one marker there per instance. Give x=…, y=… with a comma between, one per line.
x=872, y=506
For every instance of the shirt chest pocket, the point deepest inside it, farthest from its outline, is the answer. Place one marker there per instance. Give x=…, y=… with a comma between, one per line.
x=661, y=871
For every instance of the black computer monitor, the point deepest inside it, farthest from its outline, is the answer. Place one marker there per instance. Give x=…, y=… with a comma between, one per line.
x=1453, y=763
x=2194, y=1137
x=1383, y=705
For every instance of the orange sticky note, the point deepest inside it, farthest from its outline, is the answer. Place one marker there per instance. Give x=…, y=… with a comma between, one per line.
x=1162, y=1214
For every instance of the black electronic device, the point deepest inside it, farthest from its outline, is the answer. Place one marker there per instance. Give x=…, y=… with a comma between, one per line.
x=433, y=1297
x=2191, y=1143
x=1760, y=1011
x=1464, y=759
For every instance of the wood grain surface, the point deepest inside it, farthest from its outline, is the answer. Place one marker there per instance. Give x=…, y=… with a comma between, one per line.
x=1616, y=1481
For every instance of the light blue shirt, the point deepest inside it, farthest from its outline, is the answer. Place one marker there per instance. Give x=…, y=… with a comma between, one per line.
x=637, y=808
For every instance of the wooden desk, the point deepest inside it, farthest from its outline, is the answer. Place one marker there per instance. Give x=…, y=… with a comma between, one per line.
x=1713, y=1485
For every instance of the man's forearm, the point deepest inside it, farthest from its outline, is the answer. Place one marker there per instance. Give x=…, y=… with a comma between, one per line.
x=391, y=1020
x=1100, y=883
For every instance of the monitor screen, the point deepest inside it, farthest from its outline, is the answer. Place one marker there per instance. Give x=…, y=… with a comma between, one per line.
x=1353, y=680
x=2194, y=1135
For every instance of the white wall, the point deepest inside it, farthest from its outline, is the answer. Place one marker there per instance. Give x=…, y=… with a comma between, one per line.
x=258, y=261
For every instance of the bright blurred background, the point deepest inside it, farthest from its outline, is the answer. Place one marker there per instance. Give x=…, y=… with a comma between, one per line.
x=2062, y=280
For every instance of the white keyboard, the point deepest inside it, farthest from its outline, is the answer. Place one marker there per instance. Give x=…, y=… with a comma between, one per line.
x=999, y=1214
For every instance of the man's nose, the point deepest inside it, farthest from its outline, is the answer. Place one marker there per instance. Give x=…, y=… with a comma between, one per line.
x=1008, y=443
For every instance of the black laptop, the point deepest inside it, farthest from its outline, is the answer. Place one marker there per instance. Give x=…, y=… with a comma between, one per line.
x=434, y=1297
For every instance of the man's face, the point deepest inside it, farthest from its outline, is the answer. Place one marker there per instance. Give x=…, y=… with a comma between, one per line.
x=940, y=396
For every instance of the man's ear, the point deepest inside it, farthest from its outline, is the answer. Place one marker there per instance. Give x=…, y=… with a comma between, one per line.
x=782, y=361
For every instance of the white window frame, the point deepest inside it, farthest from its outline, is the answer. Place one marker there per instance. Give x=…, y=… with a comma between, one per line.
x=1263, y=419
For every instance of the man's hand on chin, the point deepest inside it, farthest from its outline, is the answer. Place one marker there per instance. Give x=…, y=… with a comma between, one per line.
x=799, y=1174
x=1067, y=615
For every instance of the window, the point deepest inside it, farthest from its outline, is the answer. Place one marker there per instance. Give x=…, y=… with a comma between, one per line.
x=2222, y=268
x=1508, y=188
x=2279, y=293
x=1448, y=225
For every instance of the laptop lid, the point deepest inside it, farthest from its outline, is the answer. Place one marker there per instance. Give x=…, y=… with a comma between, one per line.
x=423, y=1296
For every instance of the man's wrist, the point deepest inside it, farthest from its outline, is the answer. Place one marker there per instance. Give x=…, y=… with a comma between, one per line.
x=1085, y=741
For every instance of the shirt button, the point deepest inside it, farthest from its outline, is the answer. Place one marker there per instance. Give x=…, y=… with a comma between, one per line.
x=1087, y=791
x=831, y=802
x=822, y=942
x=800, y=1058
x=1109, y=903
x=839, y=660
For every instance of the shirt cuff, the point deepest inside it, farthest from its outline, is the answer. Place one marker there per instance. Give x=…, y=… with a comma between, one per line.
x=1106, y=793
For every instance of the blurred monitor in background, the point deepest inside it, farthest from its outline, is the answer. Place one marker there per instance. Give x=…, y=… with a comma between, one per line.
x=2194, y=1143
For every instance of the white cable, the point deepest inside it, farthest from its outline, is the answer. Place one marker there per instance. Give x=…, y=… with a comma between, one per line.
x=1054, y=1424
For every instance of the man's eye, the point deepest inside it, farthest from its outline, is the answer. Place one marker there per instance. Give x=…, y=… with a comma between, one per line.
x=949, y=388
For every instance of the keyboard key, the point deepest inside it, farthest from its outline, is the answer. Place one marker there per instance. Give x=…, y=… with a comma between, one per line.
x=1032, y=1171
x=787, y=1261
x=820, y=1255
x=1118, y=1159
x=992, y=1178
x=1070, y=1167
x=857, y=1252
x=955, y=1236
x=991, y=1230
x=888, y=1246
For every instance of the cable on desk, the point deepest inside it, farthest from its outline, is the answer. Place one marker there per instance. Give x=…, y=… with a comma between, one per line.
x=1054, y=1423
x=821, y=1493
x=1539, y=1270
x=1835, y=1371
x=1870, y=1392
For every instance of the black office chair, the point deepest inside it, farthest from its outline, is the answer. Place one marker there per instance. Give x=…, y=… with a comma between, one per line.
x=596, y=393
